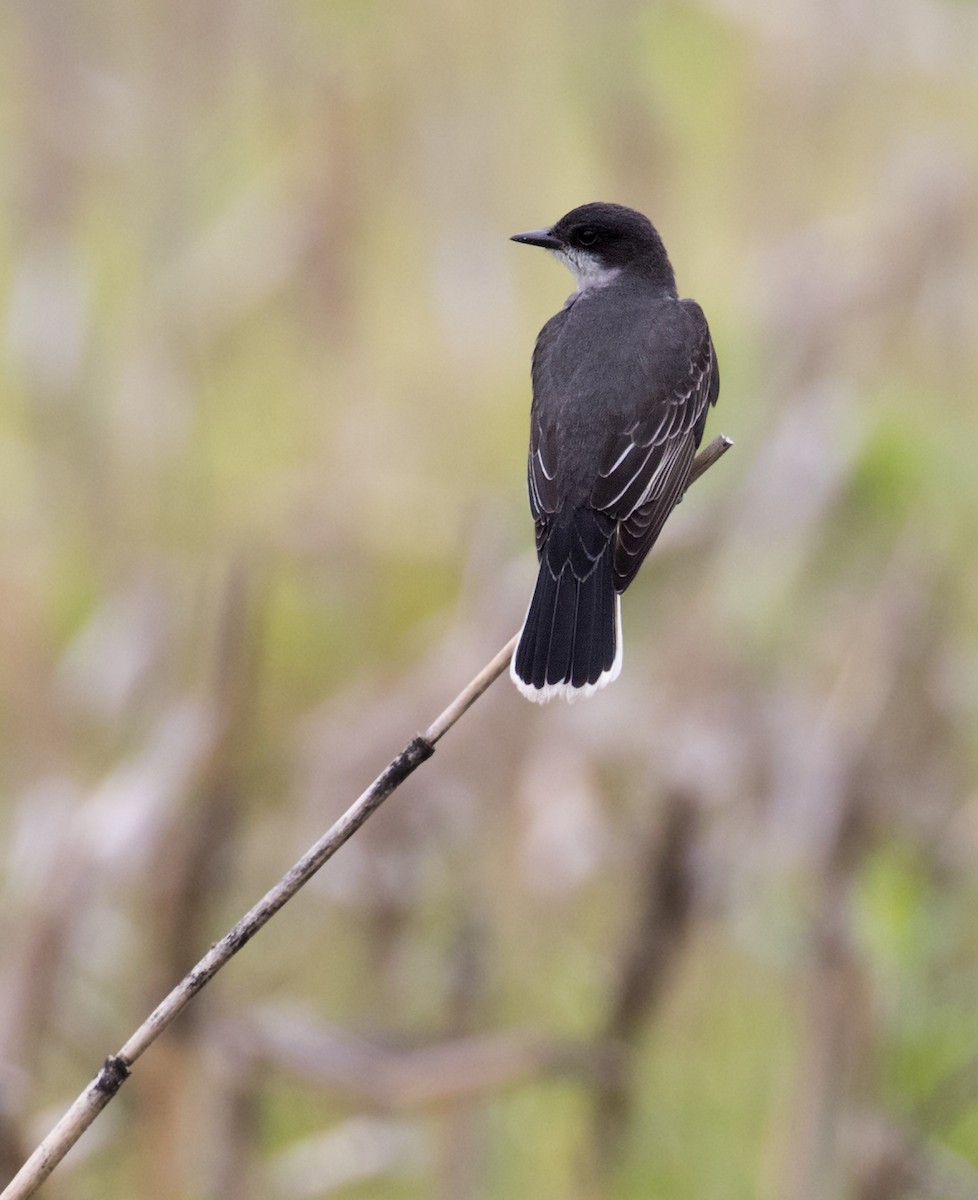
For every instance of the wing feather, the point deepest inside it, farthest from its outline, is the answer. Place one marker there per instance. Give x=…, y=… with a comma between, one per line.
x=542, y=471
x=644, y=472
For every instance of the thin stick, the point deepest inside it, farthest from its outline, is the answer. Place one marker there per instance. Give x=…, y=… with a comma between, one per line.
x=701, y=464
x=117, y=1067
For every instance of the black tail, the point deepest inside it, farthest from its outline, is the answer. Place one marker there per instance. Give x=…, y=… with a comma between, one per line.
x=571, y=640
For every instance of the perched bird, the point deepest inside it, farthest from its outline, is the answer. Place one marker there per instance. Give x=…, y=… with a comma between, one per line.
x=623, y=379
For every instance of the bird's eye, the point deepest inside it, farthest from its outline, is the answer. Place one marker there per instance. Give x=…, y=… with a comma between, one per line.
x=587, y=237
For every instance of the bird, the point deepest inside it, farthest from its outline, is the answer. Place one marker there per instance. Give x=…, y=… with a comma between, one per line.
x=623, y=380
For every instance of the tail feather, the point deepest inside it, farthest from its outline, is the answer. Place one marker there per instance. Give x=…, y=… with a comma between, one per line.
x=570, y=644
x=555, y=657
x=588, y=630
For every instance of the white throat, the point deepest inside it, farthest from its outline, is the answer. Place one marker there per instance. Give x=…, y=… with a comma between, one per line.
x=586, y=269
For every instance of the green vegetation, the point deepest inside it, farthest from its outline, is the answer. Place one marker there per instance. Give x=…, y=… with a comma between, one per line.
x=263, y=414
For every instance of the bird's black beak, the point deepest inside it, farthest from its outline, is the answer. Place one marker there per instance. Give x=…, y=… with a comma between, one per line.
x=537, y=237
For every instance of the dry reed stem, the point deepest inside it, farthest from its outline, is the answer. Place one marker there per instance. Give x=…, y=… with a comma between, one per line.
x=117, y=1067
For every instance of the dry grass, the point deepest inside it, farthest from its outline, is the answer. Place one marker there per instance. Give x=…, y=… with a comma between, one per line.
x=262, y=435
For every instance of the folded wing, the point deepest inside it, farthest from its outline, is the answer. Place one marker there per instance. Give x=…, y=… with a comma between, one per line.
x=645, y=468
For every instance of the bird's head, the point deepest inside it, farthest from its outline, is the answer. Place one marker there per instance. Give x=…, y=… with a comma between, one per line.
x=598, y=242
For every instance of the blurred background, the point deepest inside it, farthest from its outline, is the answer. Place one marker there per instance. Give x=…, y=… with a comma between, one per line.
x=263, y=423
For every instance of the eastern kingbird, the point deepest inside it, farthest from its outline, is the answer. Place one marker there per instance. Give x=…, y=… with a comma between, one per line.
x=623, y=379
